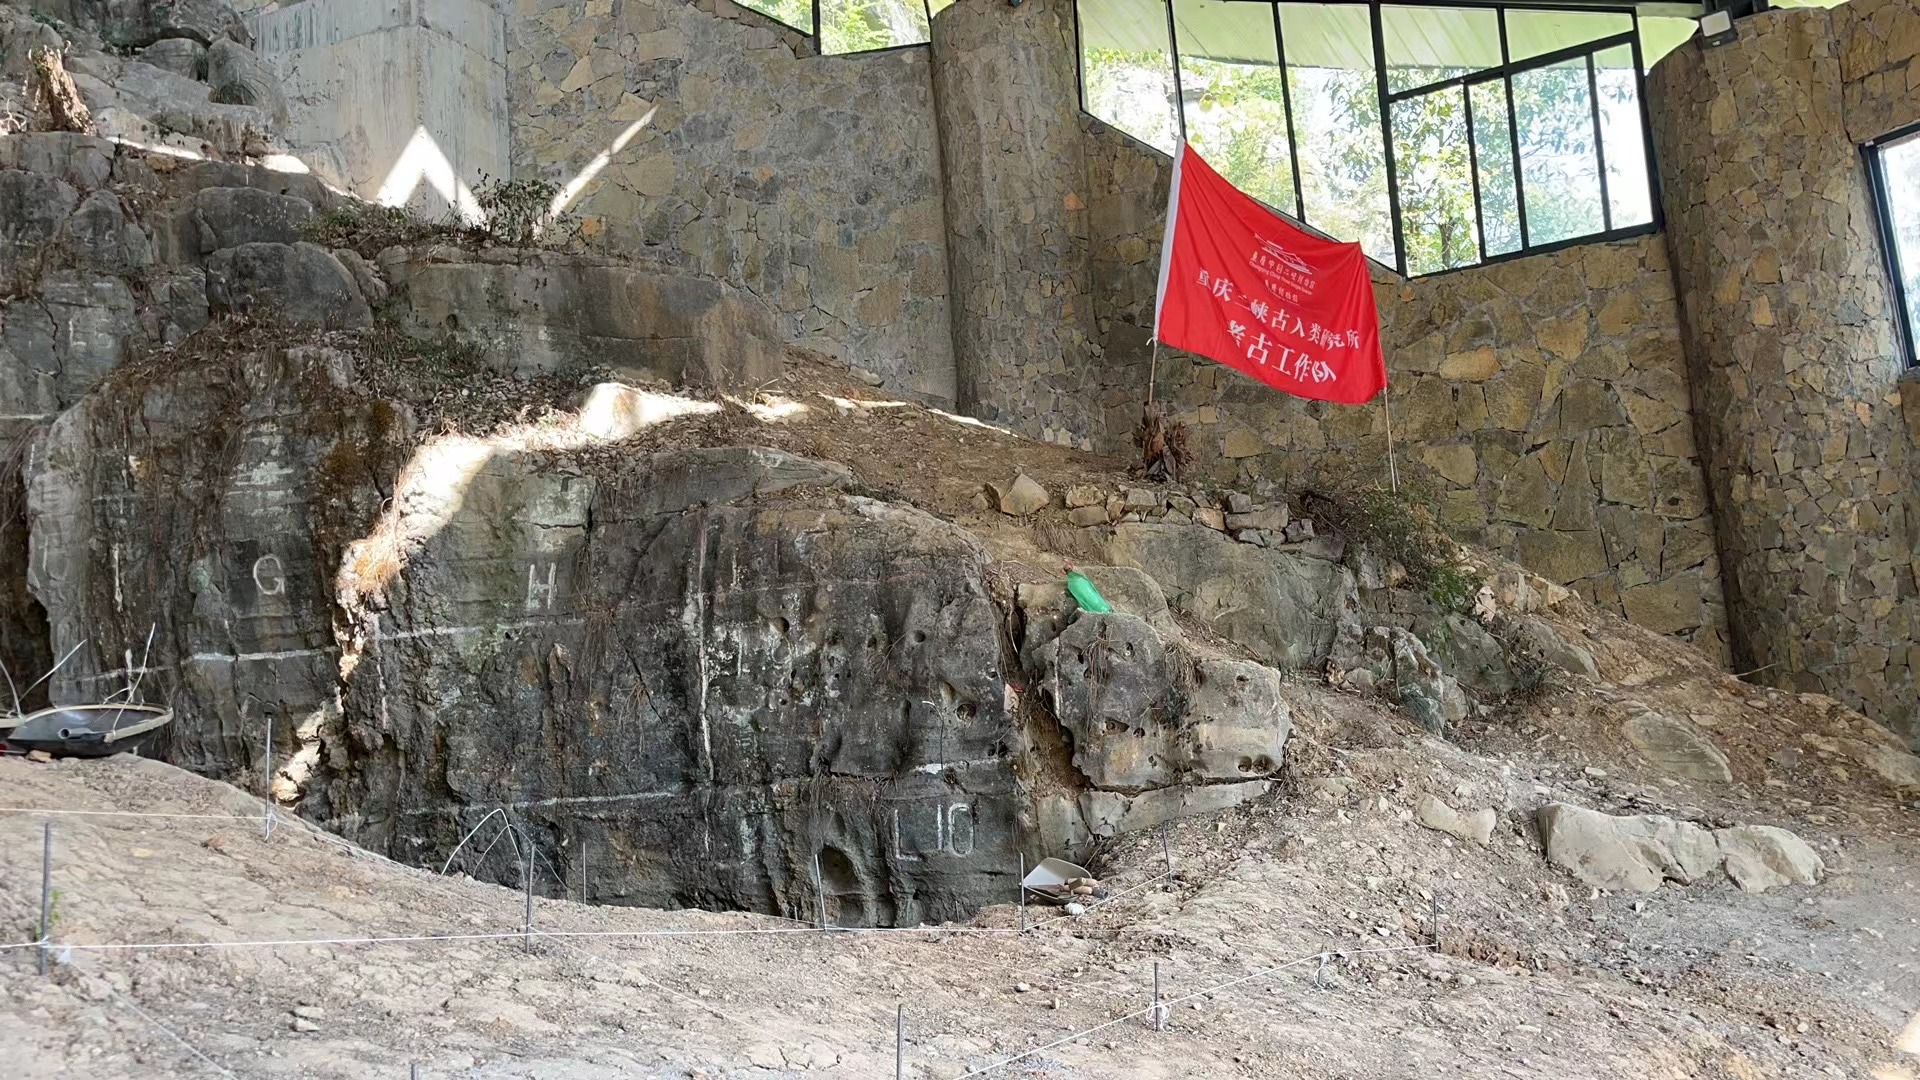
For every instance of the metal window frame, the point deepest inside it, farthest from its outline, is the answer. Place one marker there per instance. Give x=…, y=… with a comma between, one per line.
x=1871, y=152
x=1503, y=75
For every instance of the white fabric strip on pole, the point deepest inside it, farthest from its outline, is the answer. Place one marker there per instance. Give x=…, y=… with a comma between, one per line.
x=1166, y=267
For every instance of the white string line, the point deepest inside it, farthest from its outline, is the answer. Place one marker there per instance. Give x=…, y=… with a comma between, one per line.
x=512, y=934
x=696, y=1002
x=1160, y=1006
x=128, y=813
x=170, y=1033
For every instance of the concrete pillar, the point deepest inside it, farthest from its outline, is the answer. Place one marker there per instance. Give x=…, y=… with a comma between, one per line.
x=1006, y=100
x=1794, y=363
x=401, y=101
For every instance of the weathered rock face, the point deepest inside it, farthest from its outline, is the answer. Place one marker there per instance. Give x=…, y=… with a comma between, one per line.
x=300, y=284
x=1144, y=714
x=686, y=688
x=1291, y=608
x=543, y=311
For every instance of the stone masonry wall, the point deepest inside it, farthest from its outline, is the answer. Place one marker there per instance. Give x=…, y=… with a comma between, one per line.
x=813, y=182
x=1795, y=366
x=1543, y=400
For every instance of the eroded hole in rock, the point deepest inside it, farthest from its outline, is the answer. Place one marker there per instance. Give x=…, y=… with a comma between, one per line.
x=846, y=898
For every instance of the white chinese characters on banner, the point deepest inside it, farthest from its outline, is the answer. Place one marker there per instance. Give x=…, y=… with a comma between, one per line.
x=1295, y=362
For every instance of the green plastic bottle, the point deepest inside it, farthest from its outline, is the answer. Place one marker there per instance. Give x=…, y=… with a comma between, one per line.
x=1085, y=594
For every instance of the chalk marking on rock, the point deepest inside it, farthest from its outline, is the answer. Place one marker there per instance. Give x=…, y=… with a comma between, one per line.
x=254, y=657
x=444, y=631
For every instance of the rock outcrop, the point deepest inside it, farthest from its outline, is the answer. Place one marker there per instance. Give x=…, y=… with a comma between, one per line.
x=682, y=685
x=1638, y=853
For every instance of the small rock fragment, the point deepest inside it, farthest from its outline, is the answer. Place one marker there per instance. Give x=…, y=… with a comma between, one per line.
x=1024, y=496
x=1476, y=827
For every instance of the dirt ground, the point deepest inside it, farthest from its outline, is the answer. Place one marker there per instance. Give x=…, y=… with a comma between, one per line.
x=1530, y=973
x=1534, y=976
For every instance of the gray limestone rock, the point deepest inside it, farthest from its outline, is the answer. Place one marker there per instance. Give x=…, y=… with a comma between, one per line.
x=1021, y=497
x=84, y=162
x=100, y=237
x=1109, y=813
x=1046, y=608
x=542, y=311
x=1401, y=668
x=34, y=207
x=298, y=283
x=1677, y=747
x=364, y=275
x=1465, y=650
x=153, y=102
x=237, y=76
x=1476, y=827
x=1292, y=609
x=1554, y=648
x=136, y=23
x=1760, y=857
x=1143, y=713
x=1628, y=854
x=182, y=56
x=230, y=216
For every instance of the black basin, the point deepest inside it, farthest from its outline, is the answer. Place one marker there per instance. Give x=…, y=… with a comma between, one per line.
x=84, y=730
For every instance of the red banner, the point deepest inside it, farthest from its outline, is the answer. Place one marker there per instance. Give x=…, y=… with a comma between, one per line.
x=1240, y=285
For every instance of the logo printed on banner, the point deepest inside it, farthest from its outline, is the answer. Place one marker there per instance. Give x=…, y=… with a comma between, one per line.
x=1242, y=286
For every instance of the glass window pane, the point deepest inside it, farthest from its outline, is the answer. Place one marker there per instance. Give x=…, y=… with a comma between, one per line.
x=1900, y=164
x=1558, y=167
x=1622, y=138
x=1537, y=33
x=1126, y=68
x=1427, y=45
x=1436, y=181
x=1336, y=118
x=795, y=13
x=1236, y=105
x=848, y=26
x=1661, y=34
x=1493, y=141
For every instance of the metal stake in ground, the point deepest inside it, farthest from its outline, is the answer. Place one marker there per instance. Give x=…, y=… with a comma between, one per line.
x=46, y=894
x=266, y=780
x=528, y=863
x=413, y=1071
x=1434, y=913
x=1319, y=973
x=1023, y=892
x=899, y=1042
x=819, y=894
x=1159, y=1011
x=1165, y=851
